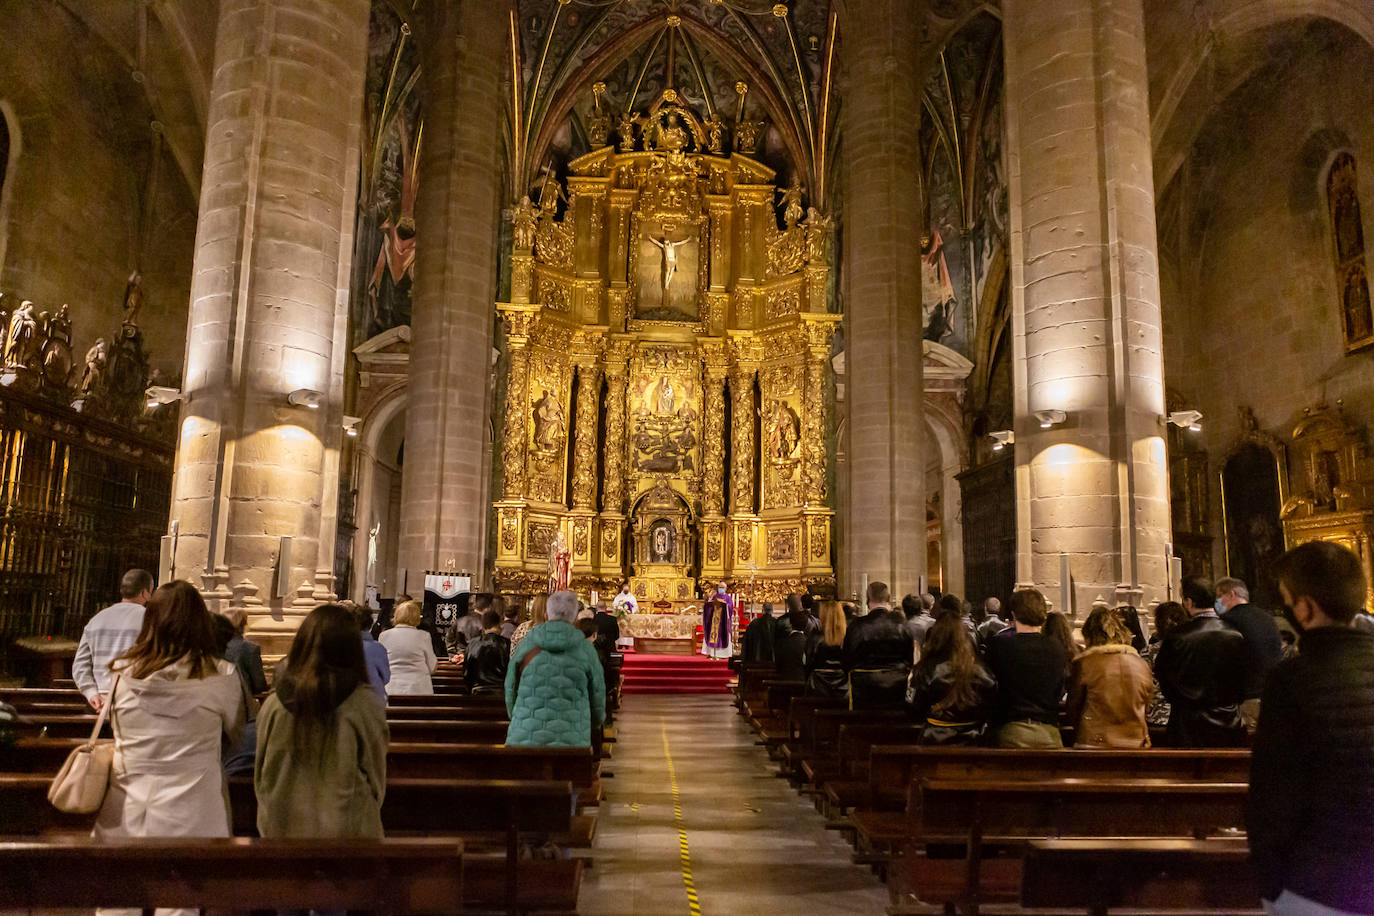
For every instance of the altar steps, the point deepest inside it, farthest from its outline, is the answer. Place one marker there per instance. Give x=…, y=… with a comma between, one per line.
x=660, y=674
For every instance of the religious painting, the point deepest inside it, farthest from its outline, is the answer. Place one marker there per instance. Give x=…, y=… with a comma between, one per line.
x=1254, y=532
x=1347, y=231
x=665, y=412
x=667, y=271
x=385, y=249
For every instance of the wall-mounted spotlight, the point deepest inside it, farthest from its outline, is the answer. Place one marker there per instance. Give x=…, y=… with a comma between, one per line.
x=1001, y=439
x=1190, y=420
x=161, y=394
x=350, y=425
x=305, y=397
x=1049, y=418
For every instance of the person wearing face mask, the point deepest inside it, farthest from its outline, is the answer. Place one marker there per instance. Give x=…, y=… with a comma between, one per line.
x=716, y=618
x=1310, y=812
x=1263, y=645
x=1201, y=670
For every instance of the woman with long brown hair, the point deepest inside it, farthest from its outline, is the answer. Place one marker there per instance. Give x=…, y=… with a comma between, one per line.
x=537, y=616
x=951, y=691
x=171, y=705
x=1109, y=685
x=824, y=654
x=320, y=769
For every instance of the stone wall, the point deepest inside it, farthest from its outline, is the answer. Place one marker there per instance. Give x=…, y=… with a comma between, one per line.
x=1251, y=311
x=69, y=231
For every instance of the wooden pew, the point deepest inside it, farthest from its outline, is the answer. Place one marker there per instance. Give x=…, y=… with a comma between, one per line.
x=988, y=819
x=448, y=731
x=482, y=710
x=392, y=876
x=1155, y=876
x=44, y=699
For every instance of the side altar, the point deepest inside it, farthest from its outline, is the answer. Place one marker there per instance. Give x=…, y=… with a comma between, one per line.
x=668, y=380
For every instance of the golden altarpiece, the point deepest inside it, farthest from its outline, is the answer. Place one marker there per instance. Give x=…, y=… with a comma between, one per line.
x=667, y=385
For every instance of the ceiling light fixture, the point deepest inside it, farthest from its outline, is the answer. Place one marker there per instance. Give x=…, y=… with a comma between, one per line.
x=305, y=397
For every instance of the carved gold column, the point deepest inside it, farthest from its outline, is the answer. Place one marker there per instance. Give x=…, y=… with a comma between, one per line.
x=584, y=442
x=613, y=469
x=742, y=440
x=813, y=420
x=513, y=435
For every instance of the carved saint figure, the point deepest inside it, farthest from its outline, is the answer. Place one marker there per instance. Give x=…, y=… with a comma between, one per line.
x=96, y=358
x=715, y=133
x=672, y=137
x=524, y=219
x=661, y=547
x=133, y=297
x=665, y=397
x=549, y=193
x=817, y=237
x=548, y=422
x=669, y=266
x=560, y=563
x=1359, y=322
x=21, y=343
x=57, y=349
x=791, y=199
x=626, y=129
x=784, y=431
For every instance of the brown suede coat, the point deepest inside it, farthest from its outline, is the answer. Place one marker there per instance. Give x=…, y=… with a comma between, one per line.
x=1109, y=690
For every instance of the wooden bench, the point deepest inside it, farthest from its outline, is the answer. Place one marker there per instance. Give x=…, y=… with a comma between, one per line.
x=1154, y=876
x=986, y=820
x=391, y=876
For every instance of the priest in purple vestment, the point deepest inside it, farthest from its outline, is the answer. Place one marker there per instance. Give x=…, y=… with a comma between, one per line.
x=716, y=624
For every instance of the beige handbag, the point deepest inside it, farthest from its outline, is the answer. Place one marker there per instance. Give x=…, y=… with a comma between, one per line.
x=81, y=784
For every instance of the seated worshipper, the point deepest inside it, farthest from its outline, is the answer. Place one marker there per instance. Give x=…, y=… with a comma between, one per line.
x=992, y=622
x=1060, y=629
x=237, y=758
x=607, y=631
x=716, y=618
x=467, y=626
x=1109, y=686
x=108, y=635
x=1263, y=645
x=1168, y=614
x=789, y=646
x=374, y=653
x=484, y=665
x=320, y=769
x=1310, y=814
x=555, y=691
x=1201, y=669
x=918, y=618
x=1029, y=668
x=535, y=618
x=172, y=705
x=951, y=691
x=246, y=656
x=410, y=653
x=823, y=656
x=756, y=644
x=878, y=652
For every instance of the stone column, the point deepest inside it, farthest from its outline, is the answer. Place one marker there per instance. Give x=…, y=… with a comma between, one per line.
x=444, y=502
x=882, y=208
x=1085, y=310
x=268, y=299
x=584, y=436
x=742, y=419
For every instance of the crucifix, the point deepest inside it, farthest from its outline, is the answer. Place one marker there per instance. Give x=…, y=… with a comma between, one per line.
x=669, y=266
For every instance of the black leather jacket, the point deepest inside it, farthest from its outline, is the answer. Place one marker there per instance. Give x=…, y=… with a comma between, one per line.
x=825, y=674
x=1310, y=818
x=1201, y=669
x=877, y=655
x=484, y=665
x=945, y=723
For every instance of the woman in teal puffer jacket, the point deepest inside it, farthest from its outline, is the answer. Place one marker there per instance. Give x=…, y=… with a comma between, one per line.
x=555, y=692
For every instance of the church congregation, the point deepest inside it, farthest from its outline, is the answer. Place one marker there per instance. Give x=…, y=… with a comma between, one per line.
x=707, y=456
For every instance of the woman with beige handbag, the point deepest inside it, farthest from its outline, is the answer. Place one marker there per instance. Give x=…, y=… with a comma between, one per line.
x=174, y=703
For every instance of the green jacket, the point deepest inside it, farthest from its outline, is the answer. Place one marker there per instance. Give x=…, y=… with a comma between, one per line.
x=337, y=793
x=560, y=695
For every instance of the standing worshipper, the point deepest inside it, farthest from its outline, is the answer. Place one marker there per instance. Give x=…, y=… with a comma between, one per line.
x=108, y=635
x=484, y=665
x=1029, y=668
x=1110, y=686
x=1263, y=645
x=320, y=768
x=823, y=656
x=756, y=644
x=1310, y=815
x=246, y=656
x=409, y=652
x=878, y=653
x=374, y=653
x=918, y=617
x=172, y=705
x=952, y=693
x=1201, y=669
x=536, y=617
x=555, y=690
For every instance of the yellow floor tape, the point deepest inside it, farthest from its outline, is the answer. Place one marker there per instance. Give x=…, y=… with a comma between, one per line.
x=684, y=854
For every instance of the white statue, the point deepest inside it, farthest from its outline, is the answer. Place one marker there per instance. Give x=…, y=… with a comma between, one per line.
x=669, y=266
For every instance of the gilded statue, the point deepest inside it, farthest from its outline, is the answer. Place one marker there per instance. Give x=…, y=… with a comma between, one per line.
x=599, y=123
x=548, y=423
x=626, y=129
x=747, y=133
x=784, y=431
x=672, y=137
x=669, y=266
x=791, y=200
x=817, y=237
x=133, y=297
x=525, y=220
x=21, y=341
x=665, y=397
x=715, y=134
x=549, y=194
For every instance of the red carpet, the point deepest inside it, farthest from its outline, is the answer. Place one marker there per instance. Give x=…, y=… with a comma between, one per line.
x=644, y=674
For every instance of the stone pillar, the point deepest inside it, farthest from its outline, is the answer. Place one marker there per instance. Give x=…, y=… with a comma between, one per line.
x=882, y=208
x=1085, y=309
x=584, y=436
x=268, y=299
x=742, y=420
x=444, y=503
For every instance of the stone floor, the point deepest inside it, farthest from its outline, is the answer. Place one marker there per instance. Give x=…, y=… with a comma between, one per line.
x=755, y=845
